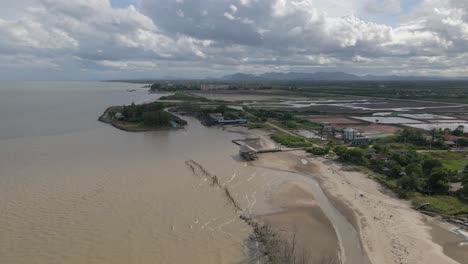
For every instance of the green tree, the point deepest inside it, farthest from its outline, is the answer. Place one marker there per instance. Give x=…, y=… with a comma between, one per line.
x=457, y=133
x=465, y=184
x=355, y=155
x=155, y=87
x=429, y=164
x=408, y=183
x=463, y=142
x=319, y=151
x=221, y=109
x=437, y=182
x=413, y=136
x=290, y=124
x=414, y=169
x=396, y=171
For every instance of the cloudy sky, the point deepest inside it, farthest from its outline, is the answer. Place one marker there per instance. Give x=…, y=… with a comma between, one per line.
x=109, y=39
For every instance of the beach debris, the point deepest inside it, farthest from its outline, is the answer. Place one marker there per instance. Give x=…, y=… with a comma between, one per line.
x=248, y=153
x=422, y=206
x=273, y=247
x=231, y=198
x=195, y=166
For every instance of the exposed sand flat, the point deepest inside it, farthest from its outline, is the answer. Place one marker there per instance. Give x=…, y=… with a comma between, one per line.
x=351, y=251
x=390, y=230
x=301, y=216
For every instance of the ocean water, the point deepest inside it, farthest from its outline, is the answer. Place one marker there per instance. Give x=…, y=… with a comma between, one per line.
x=74, y=190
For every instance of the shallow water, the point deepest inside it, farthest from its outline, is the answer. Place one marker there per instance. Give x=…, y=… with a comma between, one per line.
x=73, y=190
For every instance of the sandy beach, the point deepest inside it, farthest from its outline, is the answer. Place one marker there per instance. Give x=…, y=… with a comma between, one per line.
x=302, y=217
x=389, y=229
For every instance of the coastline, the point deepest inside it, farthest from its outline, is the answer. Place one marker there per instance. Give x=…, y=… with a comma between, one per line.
x=128, y=127
x=390, y=230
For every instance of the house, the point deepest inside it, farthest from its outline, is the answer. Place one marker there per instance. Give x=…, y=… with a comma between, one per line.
x=327, y=128
x=233, y=121
x=350, y=133
x=448, y=137
x=381, y=157
x=429, y=138
x=370, y=152
x=455, y=187
x=450, y=144
x=218, y=117
x=119, y=116
x=360, y=141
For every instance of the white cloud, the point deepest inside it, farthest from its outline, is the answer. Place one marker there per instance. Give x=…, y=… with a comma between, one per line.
x=233, y=8
x=229, y=16
x=31, y=34
x=272, y=34
x=128, y=65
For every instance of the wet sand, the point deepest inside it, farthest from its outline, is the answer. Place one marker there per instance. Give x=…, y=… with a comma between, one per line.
x=389, y=229
x=453, y=245
x=302, y=217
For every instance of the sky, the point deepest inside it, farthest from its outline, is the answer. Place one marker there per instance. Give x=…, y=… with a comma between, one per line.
x=132, y=39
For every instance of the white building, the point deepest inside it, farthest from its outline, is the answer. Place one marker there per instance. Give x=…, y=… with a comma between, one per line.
x=350, y=133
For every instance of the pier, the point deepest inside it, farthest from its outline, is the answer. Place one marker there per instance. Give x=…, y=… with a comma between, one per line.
x=250, y=148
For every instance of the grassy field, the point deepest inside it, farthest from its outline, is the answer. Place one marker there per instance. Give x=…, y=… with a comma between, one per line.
x=291, y=141
x=180, y=96
x=451, y=160
x=449, y=205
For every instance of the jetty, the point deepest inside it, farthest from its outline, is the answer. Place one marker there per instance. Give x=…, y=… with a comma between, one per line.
x=249, y=148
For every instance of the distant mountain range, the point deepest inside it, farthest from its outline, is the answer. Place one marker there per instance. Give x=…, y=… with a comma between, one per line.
x=300, y=76
x=326, y=76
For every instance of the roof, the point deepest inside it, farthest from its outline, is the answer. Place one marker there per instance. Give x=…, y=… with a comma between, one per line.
x=349, y=129
x=370, y=151
x=450, y=137
x=428, y=138
x=247, y=149
x=217, y=116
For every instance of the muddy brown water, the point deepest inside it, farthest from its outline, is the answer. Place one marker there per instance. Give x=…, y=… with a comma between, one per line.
x=73, y=190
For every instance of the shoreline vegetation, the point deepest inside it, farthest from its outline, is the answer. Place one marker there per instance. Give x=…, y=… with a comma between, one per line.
x=141, y=118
